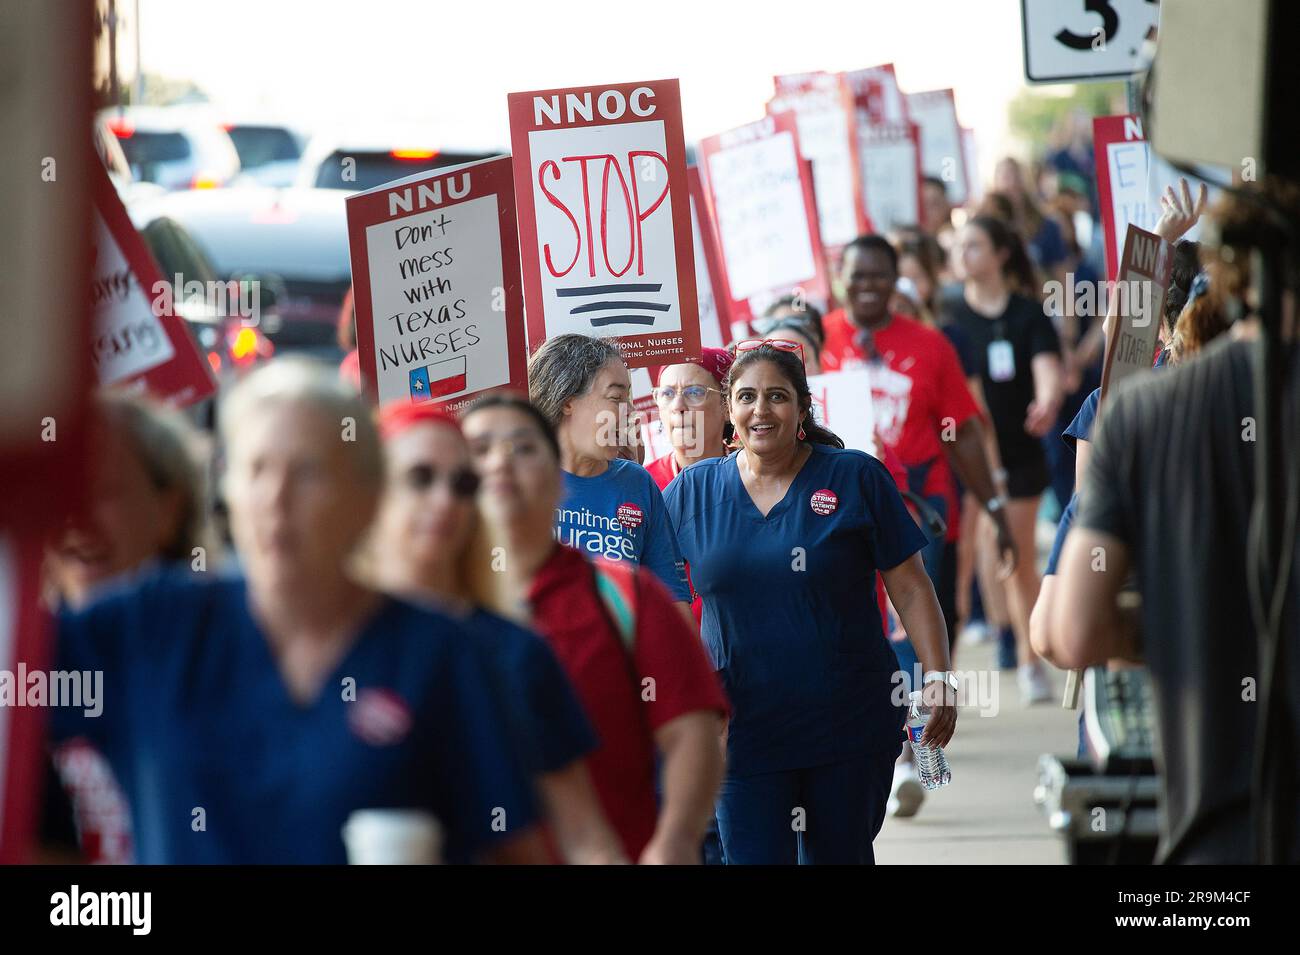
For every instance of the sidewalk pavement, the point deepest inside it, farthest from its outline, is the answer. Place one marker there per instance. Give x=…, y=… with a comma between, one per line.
x=987, y=813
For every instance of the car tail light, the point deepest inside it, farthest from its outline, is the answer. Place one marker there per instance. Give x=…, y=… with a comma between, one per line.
x=205, y=180
x=247, y=344
x=214, y=362
x=414, y=153
x=121, y=128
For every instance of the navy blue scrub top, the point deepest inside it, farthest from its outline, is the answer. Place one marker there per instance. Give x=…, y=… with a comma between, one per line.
x=196, y=716
x=790, y=615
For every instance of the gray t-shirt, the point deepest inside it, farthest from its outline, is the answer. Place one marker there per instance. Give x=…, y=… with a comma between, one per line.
x=1172, y=475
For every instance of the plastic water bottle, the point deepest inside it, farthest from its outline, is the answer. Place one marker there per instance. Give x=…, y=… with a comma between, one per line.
x=931, y=764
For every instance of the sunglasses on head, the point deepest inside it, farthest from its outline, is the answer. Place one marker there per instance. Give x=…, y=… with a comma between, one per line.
x=778, y=343
x=462, y=483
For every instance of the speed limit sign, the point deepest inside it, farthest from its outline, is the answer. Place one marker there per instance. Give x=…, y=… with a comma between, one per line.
x=1069, y=41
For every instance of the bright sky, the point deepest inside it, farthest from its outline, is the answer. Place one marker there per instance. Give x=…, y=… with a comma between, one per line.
x=448, y=66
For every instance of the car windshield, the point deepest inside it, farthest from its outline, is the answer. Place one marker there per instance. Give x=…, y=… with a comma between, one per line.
x=370, y=169
x=259, y=145
x=143, y=150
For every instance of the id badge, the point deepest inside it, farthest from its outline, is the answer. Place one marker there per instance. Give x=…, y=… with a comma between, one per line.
x=1002, y=360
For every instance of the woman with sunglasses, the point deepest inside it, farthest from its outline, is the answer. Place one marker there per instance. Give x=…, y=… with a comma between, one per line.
x=420, y=549
x=784, y=539
x=638, y=668
x=611, y=508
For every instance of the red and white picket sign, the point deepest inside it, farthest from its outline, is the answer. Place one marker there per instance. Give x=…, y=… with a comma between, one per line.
x=890, y=156
x=823, y=108
x=765, y=215
x=876, y=90
x=715, y=326
x=138, y=340
x=605, y=218
x=439, y=300
x=942, y=155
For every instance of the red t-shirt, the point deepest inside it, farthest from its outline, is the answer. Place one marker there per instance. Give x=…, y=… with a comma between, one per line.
x=663, y=470
x=920, y=385
x=570, y=615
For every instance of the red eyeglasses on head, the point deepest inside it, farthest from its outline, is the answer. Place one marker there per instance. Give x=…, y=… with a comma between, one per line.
x=778, y=343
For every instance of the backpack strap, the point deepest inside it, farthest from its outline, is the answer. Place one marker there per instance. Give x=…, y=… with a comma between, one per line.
x=616, y=586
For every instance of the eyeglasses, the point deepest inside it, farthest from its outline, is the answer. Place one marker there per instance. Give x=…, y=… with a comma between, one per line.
x=693, y=395
x=462, y=483
x=778, y=343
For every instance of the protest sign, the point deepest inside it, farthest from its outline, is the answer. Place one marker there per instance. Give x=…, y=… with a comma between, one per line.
x=970, y=154
x=890, y=154
x=876, y=91
x=1130, y=181
x=942, y=155
x=823, y=109
x=435, y=272
x=605, y=219
x=715, y=327
x=761, y=195
x=138, y=339
x=842, y=401
x=1143, y=282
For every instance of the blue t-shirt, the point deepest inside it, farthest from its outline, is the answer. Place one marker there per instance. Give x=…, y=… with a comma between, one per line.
x=1062, y=528
x=790, y=615
x=545, y=713
x=221, y=765
x=1080, y=429
x=619, y=515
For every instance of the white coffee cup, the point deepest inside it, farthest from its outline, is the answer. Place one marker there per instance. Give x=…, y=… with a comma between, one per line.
x=392, y=837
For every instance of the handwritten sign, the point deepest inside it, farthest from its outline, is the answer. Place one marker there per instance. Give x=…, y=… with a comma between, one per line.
x=823, y=109
x=942, y=155
x=842, y=402
x=1143, y=282
x=761, y=194
x=604, y=218
x=1130, y=181
x=890, y=154
x=435, y=271
x=137, y=340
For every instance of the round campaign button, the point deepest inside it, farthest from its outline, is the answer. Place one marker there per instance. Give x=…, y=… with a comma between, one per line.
x=629, y=515
x=379, y=716
x=824, y=502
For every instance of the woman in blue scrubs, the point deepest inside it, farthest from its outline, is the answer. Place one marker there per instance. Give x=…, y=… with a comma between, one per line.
x=783, y=539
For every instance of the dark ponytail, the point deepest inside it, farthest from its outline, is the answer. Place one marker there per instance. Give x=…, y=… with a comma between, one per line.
x=1018, y=269
x=791, y=367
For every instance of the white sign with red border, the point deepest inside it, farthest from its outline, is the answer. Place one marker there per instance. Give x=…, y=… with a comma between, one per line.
x=604, y=218
x=942, y=156
x=435, y=271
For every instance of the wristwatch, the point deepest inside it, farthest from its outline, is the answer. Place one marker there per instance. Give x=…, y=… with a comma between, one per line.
x=996, y=503
x=945, y=676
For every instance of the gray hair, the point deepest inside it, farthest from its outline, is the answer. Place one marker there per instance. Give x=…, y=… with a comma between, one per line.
x=563, y=368
x=164, y=443
x=299, y=380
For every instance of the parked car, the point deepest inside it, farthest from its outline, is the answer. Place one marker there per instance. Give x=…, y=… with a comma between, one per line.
x=269, y=153
x=177, y=147
x=360, y=163
x=291, y=242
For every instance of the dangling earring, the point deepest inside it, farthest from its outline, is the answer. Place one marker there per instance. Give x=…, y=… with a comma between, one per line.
x=733, y=443
x=801, y=434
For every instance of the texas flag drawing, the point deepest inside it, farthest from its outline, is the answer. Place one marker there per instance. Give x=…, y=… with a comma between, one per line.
x=442, y=378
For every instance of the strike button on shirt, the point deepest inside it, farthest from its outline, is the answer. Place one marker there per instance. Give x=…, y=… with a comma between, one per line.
x=629, y=515
x=824, y=502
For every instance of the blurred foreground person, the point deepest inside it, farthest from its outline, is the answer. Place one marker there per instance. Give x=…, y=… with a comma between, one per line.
x=247, y=718
x=1168, y=497
x=145, y=510
x=638, y=668
x=421, y=547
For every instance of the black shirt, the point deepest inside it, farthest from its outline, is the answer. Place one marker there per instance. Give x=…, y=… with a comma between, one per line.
x=1030, y=333
x=1172, y=475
